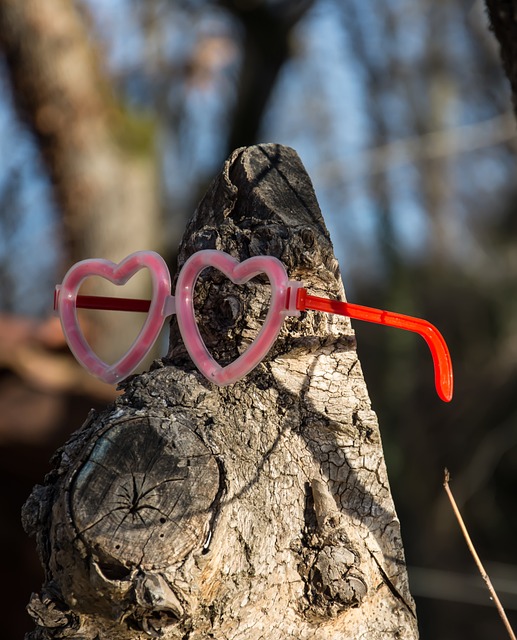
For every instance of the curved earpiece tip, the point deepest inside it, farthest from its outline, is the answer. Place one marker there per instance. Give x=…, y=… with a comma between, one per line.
x=445, y=388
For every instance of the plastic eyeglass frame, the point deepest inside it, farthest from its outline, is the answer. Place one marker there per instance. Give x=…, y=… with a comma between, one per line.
x=288, y=297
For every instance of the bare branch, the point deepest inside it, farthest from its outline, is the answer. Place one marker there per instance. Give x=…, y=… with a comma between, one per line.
x=477, y=560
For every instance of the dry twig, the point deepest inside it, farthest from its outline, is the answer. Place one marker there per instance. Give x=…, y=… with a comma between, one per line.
x=477, y=560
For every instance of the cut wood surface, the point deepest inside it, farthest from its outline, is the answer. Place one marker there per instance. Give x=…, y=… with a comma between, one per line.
x=260, y=510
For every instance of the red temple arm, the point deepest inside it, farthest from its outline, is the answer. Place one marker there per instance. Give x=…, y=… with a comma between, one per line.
x=443, y=376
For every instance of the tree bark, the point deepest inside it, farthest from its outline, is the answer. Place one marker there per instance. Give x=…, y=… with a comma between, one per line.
x=103, y=176
x=256, y=511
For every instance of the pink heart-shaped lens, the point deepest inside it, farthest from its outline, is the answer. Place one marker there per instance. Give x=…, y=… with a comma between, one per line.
x=238, y=273
x=118, y=274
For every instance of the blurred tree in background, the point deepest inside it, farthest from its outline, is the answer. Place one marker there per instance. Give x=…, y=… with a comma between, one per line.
x=115, y=114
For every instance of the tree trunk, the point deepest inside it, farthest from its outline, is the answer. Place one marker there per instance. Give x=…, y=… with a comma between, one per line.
x=266, y=46
x=261, y=510
x=503, y=22
x=100, y=158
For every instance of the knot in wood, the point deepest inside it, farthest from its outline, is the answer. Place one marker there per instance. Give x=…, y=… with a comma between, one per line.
x=143, y=496
x=336, y=582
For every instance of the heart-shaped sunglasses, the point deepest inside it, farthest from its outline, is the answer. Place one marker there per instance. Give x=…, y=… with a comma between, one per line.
x=288, y=298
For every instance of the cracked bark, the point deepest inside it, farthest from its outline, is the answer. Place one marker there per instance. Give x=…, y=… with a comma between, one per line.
x=259, y=510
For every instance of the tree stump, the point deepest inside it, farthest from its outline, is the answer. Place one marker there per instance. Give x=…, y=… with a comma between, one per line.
x=260, y=510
